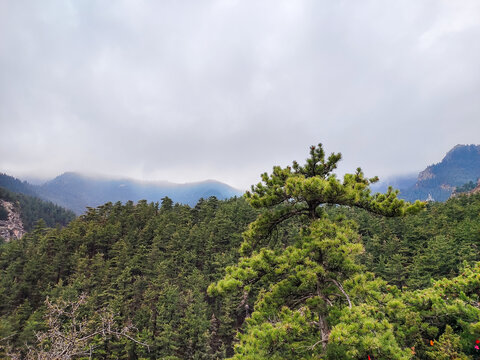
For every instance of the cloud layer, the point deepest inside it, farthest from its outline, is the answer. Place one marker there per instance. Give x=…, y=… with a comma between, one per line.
x=188, y=90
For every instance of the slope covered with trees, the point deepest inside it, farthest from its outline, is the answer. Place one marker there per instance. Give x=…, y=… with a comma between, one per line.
x=324, y=270
x=459, y=166
x=15, y=185
x=457, y=172
x=410, y=251
x=149, y=265
x=33, y=209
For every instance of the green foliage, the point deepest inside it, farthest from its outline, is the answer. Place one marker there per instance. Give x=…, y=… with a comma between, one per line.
x=447, y=347
x=328, y=271
x=298, y=286
x=303, y=191
x=432, y=244
x=364, y=331
x=148, y=265
x=446, y=315
x=32, y=209
x=469, y=186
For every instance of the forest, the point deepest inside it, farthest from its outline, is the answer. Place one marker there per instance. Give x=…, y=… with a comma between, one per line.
x=31, y=209
x=304, y=266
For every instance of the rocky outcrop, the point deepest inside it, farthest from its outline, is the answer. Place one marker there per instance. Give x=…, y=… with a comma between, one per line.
x=476, y=190
x=13, y=227
x=425, y=175
x=438, y=181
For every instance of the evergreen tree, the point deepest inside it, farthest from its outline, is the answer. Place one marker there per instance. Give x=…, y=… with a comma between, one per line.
x=298, y=285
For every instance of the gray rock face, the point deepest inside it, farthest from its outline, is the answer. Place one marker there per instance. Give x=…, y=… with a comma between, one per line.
x=13, y=227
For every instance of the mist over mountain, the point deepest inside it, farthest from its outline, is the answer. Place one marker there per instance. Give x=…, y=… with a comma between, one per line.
x=16, y=185
x=403, y=181
x=77, y=192
x=459, y=166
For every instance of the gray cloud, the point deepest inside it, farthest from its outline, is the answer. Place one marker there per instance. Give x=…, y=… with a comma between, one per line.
x=188, y=90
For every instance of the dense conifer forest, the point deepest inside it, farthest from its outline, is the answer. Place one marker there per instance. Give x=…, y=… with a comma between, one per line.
x=32, y=209
x=149, y=264
x=305, y=266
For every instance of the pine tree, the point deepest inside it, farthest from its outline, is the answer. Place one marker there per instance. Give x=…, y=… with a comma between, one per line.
x=298, y=284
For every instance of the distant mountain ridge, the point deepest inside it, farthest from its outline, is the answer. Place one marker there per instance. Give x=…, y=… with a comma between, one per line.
x=77, y=192
x=459, y=166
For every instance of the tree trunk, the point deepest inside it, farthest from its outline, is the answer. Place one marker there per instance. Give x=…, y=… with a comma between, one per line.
x=324, y=330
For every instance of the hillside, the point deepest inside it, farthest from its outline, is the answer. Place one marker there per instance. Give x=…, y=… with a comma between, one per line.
x=459, y=166
x=150, y=263
x=172, y=275
x=77, y=192
x=270, y=275
x=17, y=186
x=19, y=213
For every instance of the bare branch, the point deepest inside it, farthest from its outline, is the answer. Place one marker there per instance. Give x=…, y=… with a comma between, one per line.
x=7, y=337
x=340, y=287
x=68, y=336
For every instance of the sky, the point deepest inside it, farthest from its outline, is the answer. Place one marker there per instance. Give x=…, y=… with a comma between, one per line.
x=191, y=90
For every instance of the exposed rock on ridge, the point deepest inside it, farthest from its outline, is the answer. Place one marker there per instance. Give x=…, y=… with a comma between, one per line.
x=13, y=227
x=459, y=166
x=475, y=190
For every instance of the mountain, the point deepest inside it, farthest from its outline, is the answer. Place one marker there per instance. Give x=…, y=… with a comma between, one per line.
x=469, y=188
x=149, y=268
x=459, y=166
x=17, y=186
x=476, y=190
x=77, y=192
x=19, y=213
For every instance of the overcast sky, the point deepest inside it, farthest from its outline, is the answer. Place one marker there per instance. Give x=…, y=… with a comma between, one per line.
x=192, y=90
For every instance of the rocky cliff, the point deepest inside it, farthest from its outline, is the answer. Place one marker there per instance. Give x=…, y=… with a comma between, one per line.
x=13, y=226
x=459, y=166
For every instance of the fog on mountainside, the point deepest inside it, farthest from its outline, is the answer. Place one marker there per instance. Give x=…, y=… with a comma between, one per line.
x=77, y=192
x=459, y=166
x=403, y=181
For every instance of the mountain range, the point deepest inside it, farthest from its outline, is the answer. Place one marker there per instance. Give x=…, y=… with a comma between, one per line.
x=76, y=192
